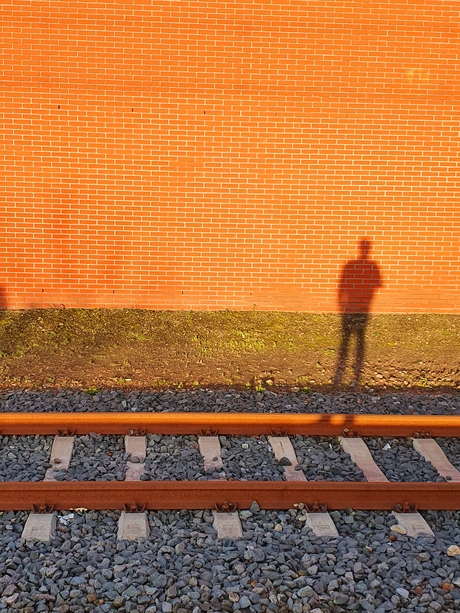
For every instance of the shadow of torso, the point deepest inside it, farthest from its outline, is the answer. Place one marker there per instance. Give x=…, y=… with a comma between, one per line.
x=358, y=283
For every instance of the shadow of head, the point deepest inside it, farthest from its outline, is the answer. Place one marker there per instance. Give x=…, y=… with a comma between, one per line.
x=365, y=247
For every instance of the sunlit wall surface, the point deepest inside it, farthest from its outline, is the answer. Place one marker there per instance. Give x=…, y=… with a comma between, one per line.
x=174, y=154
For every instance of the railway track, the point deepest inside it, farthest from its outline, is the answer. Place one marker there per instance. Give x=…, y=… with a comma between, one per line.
x=375, y=492
x=270, y=555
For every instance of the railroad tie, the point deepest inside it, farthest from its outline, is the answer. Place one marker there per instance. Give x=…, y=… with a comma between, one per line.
x=134, y=526
x=227, y=525
x=321, y=524
x=61, y=454
x=362, y=457
x=412, y=524
x=42, y=526
x=136, y=446
x=211, y=451
x=39, y=527
x=432, y=452
x=282, y=448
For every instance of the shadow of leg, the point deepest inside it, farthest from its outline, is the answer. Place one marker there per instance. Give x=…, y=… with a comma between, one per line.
x=360, y=324
x=343, y=351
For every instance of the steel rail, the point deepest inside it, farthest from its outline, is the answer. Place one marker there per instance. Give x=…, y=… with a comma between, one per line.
x=175, y=495
x=230, y=423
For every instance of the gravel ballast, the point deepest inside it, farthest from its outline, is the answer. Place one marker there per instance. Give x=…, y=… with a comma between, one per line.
x=24, y=458
x=96, y=457
x=249, y=458
x=174, y=458
x=277, y=566
x=399, y=461
x=228, y=400
x=323, y=459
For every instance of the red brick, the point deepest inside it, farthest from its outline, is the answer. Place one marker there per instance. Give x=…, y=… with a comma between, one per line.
x=266, y=139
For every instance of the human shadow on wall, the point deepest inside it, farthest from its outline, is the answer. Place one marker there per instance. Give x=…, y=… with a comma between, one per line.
x=359, y=280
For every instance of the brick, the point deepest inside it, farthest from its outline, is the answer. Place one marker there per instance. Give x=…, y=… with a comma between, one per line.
x=314, y=128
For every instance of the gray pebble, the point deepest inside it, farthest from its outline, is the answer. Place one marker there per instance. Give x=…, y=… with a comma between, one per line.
x=402, y=592
x=244, y=602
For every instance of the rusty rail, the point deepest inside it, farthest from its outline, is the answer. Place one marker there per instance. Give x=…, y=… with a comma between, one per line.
x=175, y=495
x=230, y=423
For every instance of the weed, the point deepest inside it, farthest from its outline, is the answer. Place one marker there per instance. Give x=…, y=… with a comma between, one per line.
x=91, y=390
x=245, y=341
x=141, y=337
x=161, y=383
x=423, y=382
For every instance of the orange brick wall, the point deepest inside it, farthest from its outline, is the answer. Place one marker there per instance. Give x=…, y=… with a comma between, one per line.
x=176, y=154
